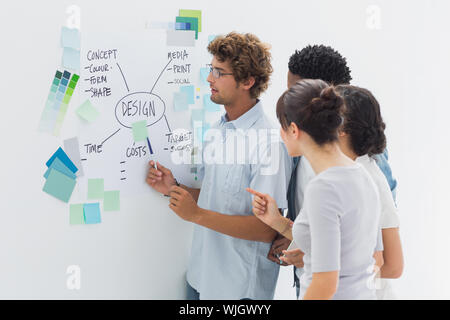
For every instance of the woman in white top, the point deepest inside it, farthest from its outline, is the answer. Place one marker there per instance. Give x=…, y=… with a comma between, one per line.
x=362, y=136
x=338, y=226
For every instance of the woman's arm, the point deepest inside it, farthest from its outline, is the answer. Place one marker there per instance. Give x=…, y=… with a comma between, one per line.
x=392, y=254
x=323, y=286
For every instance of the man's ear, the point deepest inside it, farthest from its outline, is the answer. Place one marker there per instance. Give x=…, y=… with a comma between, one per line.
x=248, y=83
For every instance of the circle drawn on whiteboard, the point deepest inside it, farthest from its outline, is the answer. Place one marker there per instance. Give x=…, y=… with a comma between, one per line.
x=138, y=106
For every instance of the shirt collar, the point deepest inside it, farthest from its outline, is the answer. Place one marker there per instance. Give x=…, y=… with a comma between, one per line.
x=246, y=120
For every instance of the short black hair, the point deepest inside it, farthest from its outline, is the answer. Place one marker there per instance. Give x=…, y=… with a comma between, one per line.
x=320, y=62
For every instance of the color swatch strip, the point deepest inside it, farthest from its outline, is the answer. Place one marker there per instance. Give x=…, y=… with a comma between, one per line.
x=44, y=124
x=61, y=91
x=65, y=103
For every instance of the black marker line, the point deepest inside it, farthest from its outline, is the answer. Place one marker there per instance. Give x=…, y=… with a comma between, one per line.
x=160, y=75
x=83, y=159
x=167, y=123
x=122, y=162
x=120, y=69
x=109, y=137
x=123, y=178
x=122, y=171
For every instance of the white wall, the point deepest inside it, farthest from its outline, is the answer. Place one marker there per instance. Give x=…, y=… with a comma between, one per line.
x=404, y=64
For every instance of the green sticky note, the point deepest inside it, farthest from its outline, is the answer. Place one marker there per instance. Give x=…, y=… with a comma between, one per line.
x=87, y=111
x=96, y=188
x=76, y=214
x=140, y=130
x=59, y=185
x=192, y=21
x=111, y=202
x=193, y=14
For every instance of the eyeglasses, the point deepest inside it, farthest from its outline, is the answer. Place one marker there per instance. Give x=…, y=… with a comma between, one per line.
x=217, y=74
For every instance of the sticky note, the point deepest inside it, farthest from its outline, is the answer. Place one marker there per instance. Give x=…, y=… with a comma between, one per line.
x=71, y=58
x=192, y=21
x=87, y=111
x=70, y=38
x=92, y=213
x=96, y=188
x=59, y=185
x=182, y=26
x=139, y=129
x=180, y=38
x=209, y=105
x=192, y=13
x=111, y=201
x=204, y=73
x=76, y=214
x=190, y=91
x=61, y=155
x=180, y=101
x=59, y=166
x=72, y=148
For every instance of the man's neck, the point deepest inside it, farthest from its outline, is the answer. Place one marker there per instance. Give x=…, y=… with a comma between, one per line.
x=238, y=108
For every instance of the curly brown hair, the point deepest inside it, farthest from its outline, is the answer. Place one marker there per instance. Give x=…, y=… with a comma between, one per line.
x=248, y=57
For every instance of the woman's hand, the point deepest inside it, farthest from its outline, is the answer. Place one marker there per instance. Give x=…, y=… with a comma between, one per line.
x=265, y=208
x=294, y=257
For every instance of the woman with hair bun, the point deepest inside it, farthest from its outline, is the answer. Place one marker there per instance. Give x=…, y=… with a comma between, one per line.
x=338, y=226
x=361, y=137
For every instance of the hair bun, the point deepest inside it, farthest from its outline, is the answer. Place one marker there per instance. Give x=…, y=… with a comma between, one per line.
x=328, y=100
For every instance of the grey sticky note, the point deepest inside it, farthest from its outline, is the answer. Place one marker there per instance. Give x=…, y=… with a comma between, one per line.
x=181, y=38
x=72, y=149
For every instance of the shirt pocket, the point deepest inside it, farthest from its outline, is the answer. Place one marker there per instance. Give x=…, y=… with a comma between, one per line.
x=233, y=179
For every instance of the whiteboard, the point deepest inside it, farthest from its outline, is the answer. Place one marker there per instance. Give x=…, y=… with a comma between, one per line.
x=127, y=255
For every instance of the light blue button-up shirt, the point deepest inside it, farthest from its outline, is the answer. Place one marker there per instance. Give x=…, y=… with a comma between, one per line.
x=221, y=266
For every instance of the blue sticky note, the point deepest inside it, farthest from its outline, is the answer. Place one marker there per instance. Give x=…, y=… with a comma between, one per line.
x=59, y=185
x=204, y=73
x=70, y=38
x=182, y=26
x=71, y=58
x=59, y=166
x=92, y=213
x=209, y=105
x=64, y=158
x=189, y=90
x=197, y=115
x=180, y=101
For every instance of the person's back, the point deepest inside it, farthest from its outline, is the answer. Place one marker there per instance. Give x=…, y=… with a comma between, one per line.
x=338, y=229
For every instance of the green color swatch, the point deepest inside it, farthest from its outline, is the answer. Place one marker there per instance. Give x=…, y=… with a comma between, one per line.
x=111, y=202
x=192, y=21
x=76, y=214
x=87, y=111
x=59, y=185
x=96, y=188
x=140, y=130
x=193, y=14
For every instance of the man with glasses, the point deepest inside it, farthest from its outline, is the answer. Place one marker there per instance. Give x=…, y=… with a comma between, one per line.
x=230, y=245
